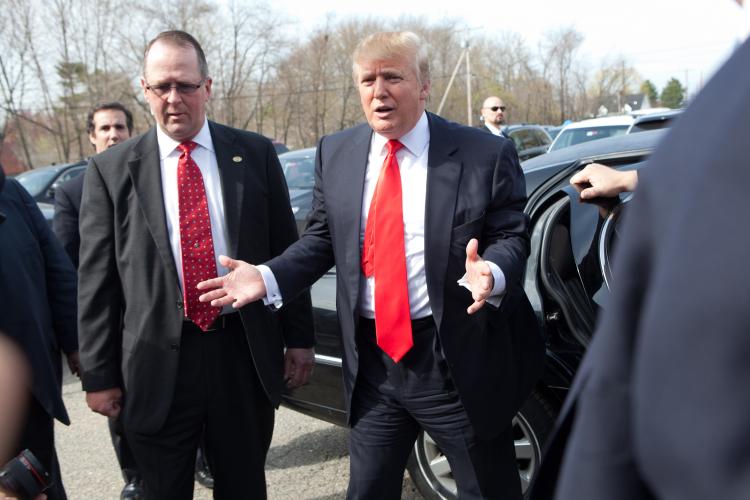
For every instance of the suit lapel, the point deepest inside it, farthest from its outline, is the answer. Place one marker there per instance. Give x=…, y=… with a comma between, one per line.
x=232, y=162
x=351, y=185
x=443, y=176
x=145, y=171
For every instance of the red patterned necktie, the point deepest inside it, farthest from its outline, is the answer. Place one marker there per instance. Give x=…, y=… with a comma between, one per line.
x=196, y=243
x=384, y=257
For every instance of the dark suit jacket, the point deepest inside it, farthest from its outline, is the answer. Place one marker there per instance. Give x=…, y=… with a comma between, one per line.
x=37, y=294
x=130, y=302
x=475, y=188
x=65, y=222
x=659, y=408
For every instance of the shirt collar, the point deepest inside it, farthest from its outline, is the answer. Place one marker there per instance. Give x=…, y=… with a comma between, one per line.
x=167, y=145
x=495, y=130
x=415, y=140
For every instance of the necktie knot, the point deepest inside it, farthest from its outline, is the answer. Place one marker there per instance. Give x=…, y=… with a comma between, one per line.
x=187, y=147
x=393, y=146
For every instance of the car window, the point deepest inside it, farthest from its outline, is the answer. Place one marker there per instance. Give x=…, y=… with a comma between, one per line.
x=299, y=172
x=35, y=181
x=542, y=138
x=574, y=136
x=70, y=174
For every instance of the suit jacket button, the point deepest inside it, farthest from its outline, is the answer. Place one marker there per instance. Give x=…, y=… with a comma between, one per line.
x=174, y=347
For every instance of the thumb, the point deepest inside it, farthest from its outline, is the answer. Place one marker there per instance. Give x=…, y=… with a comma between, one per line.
x=227, y=262
x=471, y=249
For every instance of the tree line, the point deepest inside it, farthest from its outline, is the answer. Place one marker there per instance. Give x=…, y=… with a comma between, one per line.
x=63, y=56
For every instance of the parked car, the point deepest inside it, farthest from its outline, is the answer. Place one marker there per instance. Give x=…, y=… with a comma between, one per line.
x=654, y=121
x=591, y=130
x=553, y=130
x=299, y=170
x=567, y=280
x=41, y=182
x=530, y=140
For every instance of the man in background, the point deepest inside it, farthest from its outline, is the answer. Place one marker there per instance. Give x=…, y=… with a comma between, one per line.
x=107, y=124
x=493, y=115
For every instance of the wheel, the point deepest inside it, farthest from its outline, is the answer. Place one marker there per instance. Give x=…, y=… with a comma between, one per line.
x=202, y=470
x=532, y=425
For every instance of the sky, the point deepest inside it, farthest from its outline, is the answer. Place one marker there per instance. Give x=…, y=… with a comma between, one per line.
x=660, y=38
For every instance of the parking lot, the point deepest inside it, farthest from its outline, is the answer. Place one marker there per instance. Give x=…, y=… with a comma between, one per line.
x=308, y=458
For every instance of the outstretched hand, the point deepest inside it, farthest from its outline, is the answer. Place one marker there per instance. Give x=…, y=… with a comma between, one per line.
x=242, y=285
x=478, y=275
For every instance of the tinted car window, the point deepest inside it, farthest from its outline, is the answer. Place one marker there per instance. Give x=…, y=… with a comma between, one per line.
x=299, y=172
x=542, y=138
x=34, y=181
x=578, y=135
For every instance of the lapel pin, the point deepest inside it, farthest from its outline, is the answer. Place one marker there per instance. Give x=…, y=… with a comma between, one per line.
x=237, y=159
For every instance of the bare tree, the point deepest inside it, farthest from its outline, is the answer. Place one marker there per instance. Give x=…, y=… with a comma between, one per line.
x=561, y=46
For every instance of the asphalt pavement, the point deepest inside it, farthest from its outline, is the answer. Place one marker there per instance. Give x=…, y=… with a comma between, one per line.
x=308, y=458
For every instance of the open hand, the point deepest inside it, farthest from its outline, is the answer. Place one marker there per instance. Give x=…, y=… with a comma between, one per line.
x=242, y=285
x=478, y=275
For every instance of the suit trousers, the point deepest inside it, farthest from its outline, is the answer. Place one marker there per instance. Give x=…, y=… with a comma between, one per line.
x=122, y=451
x=392, y=401
x=217, y=395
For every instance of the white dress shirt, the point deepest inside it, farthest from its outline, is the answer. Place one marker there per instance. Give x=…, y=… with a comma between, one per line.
x=204, y=156
x=412, y=162
x=493, y=129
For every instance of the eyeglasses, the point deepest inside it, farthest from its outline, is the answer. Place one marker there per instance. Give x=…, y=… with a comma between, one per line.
x=495, y=108
x=181, y=88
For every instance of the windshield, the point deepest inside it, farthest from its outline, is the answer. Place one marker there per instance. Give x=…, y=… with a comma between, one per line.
x=34, y=181
x=574, y=136
x=299, y=172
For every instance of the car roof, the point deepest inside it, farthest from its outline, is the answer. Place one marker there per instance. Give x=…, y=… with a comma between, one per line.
x=57, y=168
x=297, y=153
x=604, y=121
x=537, y=170
x=658, y=116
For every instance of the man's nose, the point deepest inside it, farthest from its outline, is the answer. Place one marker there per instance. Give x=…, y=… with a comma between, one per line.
x=173, y=95
x=380, y=89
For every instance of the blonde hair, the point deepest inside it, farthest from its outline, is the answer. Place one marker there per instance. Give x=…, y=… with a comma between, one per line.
x=390, y=44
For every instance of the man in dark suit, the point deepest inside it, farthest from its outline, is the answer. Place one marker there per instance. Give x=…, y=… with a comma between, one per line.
x=658, y=408
x=419, y=349
x=107, y=124
x=493, y=116
x=37, y=311
x=156, y=211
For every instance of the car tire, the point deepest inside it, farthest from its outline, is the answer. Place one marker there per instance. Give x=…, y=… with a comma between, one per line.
x=532, y=426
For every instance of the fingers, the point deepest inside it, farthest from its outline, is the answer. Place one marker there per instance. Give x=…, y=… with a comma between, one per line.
x=212, y=283
x=477, y=305
x=212, y=295
x=228, y=262
x=472, y=249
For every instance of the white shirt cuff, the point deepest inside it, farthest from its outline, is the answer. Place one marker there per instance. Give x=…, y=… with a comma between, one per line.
x=273, y=294
x=498, y=290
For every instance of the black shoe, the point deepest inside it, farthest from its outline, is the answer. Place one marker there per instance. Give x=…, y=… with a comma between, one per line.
x=133, y=490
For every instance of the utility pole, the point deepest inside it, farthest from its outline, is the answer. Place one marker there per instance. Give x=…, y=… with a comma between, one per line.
x=450, y=82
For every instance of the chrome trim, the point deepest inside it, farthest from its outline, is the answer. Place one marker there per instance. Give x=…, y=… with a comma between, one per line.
x=322, y=359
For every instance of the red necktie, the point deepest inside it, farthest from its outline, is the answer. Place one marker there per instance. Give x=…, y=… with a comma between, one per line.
x=196, y=243
x=384, y=257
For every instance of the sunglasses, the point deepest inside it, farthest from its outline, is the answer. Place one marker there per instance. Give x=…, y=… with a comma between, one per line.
x=181, y=88
x=495, y=108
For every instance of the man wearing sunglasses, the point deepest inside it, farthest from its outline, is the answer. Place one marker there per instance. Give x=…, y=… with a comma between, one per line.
x=156, y=212
x=493, y=115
